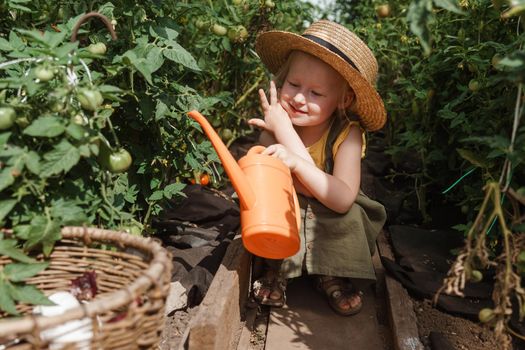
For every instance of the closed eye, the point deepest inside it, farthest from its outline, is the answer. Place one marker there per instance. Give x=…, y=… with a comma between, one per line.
x=293, y=84
x=317, y=93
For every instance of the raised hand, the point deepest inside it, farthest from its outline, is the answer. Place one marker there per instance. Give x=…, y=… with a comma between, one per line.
x=275, y=117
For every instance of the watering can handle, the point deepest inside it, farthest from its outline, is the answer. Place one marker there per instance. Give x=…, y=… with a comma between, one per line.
x=256, y=150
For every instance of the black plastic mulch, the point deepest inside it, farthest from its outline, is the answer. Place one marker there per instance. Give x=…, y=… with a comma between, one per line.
x=423, y=258
x=197, y=232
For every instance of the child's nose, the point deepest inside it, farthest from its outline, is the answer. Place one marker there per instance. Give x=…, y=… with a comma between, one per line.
x=299, y=98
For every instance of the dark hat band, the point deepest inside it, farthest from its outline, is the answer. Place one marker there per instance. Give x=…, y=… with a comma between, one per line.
x=332, y=48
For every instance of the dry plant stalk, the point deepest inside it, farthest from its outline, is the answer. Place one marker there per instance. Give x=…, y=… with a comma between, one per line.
x=475, y=255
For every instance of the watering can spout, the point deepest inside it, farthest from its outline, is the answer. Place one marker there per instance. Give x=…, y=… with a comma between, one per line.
x=234, y=172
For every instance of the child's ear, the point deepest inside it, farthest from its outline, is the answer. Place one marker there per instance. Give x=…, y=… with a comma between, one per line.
x=348, y=99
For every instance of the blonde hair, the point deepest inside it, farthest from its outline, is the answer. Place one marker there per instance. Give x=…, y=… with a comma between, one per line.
x=342, y=112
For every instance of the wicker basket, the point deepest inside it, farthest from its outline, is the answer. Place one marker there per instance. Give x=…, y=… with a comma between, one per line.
x=133, y=279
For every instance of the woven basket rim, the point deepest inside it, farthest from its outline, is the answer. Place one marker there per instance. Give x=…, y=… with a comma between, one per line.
x=151, y=276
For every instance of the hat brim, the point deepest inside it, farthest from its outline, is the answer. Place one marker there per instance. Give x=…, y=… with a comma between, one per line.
x=274, y=47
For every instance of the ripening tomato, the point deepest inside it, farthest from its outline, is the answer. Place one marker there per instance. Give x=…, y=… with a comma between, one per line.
x=205, y=179
x=383, y=11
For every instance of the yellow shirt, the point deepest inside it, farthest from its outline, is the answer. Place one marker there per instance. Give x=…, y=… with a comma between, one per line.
x=317, y=149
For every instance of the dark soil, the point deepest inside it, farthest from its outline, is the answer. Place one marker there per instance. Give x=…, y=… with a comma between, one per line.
x=461, y=333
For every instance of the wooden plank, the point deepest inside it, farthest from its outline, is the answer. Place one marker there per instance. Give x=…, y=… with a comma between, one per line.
x=403, y=320
x=247, y=329
x=307, y=322
x=217, y=322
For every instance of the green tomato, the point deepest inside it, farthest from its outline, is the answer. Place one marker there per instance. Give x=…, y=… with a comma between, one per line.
x=202, y=23
x=226, y=134
x=476, y=276
x=486, y=315
x=217, y=29
x=495, y=60
x=473, y=85
x=237, y=34
x=269, y=4
x=78, y=119
x=97, y=49
x=521, y=257
x=90, y=99
x=7, y=117
x=44, y=73
x=119, y=161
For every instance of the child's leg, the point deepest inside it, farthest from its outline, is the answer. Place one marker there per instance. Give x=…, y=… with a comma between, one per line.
x=270, y=289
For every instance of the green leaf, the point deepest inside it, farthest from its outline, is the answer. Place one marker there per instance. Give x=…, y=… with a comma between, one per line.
x=161, y=110
x=32, y=161
x=154, y=59
x=157, y=195
x=78, y=132
x=179, y=55
x=48, y=126
x=6, y=206
x=171, y=34
x=8, y=248
x=68, y=212
x=62, y=158
x=28, y=294
x=4, y=137
x=5, y=45
x=15, y=41
x=6, y=178
x=45, y=232
x=473, y=158
x=20, y=272
x=6, y=301
x=449, y=5
x=420, y=16
x=174, y=189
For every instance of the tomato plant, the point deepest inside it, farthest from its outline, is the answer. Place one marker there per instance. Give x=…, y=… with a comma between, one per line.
x=451, y=77
x=99, y=134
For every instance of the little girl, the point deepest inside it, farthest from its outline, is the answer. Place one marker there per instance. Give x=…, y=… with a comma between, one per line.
x=319, y=107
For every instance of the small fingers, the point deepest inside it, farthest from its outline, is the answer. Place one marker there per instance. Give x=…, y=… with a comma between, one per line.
x=264, y=101
x=273, y=93
x=270, y=149
x=257, y=122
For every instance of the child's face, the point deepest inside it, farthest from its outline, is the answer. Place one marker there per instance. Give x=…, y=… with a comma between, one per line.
x=311, y=91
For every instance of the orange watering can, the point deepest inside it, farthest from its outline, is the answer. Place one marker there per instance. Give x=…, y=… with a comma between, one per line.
x=270, y=213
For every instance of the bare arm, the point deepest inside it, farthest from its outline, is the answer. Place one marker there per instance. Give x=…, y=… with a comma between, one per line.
x=338, y=191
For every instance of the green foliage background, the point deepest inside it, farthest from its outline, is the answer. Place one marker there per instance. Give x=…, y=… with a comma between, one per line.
x=449, y=76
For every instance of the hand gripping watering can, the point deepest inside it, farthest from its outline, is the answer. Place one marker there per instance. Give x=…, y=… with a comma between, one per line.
x=270, y=213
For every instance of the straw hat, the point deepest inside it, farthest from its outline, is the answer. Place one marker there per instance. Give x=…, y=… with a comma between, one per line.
x=341, y=49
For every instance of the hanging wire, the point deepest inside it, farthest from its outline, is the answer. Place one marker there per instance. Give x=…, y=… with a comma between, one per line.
x=459, y=180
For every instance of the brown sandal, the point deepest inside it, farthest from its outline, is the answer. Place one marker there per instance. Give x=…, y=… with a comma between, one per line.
x=270, y=283
x=338, y=289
